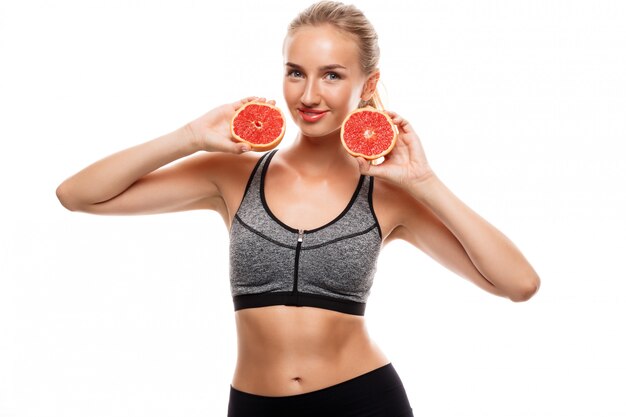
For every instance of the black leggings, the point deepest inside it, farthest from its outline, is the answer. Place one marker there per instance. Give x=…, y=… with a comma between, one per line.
x=378, y=393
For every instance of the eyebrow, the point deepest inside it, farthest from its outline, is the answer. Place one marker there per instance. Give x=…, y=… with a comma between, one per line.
x=322, y=68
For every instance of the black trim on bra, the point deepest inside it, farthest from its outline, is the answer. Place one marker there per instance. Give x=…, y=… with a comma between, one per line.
x=340, y=238
x=264, y=236
x=248, y=184
x=253, y=230
x=299, y=299
x=371, y=204
x=251, y=177
x=291, y=229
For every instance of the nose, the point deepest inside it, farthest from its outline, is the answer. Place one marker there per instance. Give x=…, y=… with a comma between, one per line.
x=310, y=95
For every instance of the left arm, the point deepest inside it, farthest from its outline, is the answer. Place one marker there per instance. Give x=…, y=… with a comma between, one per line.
x=433, y=219
x=494, y=255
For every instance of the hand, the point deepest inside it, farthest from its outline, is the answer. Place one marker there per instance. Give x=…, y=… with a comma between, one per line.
x=406, y=164
x=211, y=132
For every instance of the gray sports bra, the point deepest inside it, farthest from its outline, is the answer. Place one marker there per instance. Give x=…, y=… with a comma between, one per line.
x=330, y=267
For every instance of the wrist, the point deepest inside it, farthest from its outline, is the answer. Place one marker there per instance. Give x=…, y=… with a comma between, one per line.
x=422, y=187
x=189, y=138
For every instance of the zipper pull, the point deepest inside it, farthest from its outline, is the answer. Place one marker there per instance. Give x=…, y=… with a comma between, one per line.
x=300, y=235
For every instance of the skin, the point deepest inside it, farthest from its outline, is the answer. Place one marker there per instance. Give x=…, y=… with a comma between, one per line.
x=285, y=350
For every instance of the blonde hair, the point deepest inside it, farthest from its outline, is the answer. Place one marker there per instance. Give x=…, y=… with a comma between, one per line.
x=350, y=20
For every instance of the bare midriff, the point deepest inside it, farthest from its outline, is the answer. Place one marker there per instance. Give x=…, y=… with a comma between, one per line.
x=287, y=350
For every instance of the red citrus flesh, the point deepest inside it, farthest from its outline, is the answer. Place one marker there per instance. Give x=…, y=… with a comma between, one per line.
x=369, y=133
x=261, y=125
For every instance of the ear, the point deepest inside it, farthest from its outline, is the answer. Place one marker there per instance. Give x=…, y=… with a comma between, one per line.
x=370, y=86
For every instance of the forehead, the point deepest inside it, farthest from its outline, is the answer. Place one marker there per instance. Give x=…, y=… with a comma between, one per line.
x=320, y=45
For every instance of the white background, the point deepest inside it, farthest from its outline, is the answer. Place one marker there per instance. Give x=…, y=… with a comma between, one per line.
x=520, y=108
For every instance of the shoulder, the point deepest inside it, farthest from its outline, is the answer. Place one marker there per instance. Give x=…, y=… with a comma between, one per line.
x=226, y=169
x=230, y=174
x=224, y=174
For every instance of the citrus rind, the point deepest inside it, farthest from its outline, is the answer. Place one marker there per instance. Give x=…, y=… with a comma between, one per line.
x=258, y=146
x=374, y=156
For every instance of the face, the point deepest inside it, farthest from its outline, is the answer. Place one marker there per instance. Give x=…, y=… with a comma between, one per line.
x=322, y=72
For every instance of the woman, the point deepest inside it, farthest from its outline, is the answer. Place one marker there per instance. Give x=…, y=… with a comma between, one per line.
x=303, y=346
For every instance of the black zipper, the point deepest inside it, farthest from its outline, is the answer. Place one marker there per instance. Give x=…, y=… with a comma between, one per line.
x=295, y=272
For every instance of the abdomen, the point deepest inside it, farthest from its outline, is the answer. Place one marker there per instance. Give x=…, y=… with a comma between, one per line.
x=286, y=350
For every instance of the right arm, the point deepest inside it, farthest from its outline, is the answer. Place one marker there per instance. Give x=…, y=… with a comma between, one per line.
x=130, y=181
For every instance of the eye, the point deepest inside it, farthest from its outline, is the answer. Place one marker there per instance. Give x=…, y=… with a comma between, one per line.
x=293, y=72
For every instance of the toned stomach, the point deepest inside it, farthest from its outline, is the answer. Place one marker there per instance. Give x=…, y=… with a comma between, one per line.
x=286, y=350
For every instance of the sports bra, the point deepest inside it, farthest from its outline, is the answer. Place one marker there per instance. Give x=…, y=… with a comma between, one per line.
x=330, y=267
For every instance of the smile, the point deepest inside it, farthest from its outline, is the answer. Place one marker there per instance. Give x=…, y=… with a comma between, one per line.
x=310, y=117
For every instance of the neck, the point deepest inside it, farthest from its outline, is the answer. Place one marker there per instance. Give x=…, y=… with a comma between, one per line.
x=318, y=156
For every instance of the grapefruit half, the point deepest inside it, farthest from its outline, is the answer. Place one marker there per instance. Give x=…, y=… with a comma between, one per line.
x=369, y=133
x=261, y=125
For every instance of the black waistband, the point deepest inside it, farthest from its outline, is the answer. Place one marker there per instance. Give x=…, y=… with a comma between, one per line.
x=380, y=392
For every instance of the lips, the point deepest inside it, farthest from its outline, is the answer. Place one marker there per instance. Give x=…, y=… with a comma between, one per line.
x=311, y=116
x=312, y=111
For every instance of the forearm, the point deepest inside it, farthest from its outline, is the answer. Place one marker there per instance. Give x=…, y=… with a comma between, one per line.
x=491, y=252
x=110, y=176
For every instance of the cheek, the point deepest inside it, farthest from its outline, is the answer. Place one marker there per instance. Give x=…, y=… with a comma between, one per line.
x=289, y=91
x=341, y=96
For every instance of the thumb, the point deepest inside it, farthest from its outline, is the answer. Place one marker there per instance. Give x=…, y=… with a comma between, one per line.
x=239, y=147
x=364, y=165
x=371, y=167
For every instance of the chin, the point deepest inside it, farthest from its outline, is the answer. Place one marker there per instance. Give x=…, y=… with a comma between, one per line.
x=315, y=133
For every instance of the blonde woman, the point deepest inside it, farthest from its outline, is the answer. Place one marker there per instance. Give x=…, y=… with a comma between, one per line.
x=292, y=214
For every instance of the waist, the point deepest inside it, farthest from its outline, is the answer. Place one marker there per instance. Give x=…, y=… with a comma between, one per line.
x=284, y=350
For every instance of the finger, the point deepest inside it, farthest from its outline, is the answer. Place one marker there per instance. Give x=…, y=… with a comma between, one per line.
x=243, y=148
x=402, y=122
x=399, y=121
x=238, y=147
x=363, y=164
x=395, y=117
x=238, y=104
x=377, y=162
x=405, y=124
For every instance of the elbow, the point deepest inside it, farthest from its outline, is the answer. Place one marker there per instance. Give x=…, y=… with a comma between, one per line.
x=526, y=291
x=64, y=198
